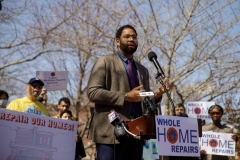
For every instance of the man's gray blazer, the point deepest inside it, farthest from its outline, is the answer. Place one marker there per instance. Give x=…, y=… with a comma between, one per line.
x=107, y=86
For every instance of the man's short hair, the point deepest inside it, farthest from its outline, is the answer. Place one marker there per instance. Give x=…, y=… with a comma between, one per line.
x=179, y=105
x=216, y=106
x=64, y=99
x=5, y=93
x=119, y=31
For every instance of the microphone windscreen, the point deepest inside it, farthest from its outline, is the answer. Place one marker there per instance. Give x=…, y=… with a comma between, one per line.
x=151, y=55
x=113, y=116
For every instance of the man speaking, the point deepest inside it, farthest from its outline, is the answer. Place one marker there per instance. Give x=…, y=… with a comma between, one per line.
x=114, y=84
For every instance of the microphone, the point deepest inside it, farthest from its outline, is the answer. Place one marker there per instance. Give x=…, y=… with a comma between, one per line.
x=153, y=57
x=149, y=104
x=113, y=118
x=118, y=122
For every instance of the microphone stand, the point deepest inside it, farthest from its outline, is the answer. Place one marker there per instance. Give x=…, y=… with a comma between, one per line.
x=160, y=77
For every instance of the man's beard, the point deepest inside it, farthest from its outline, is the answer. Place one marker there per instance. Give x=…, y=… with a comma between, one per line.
x=125, y=48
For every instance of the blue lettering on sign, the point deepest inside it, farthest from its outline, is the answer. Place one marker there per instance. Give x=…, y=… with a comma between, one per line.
x=204, y=142
x=205, y=110
x=230, y=143
x=211, y=136
x=187, y=137
x=195, y=104
x=168, y=122
x=203, y=116
x=184, y=149
x=224, y=151
x=183, y=137
x=226, y=144
x=192, y=136
x=222, y=144
x=161, y=134
x=190, y=110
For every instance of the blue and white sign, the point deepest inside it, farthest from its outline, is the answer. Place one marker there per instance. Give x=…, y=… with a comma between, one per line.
x=177, y=136
x=199, y=109
x=150, y=150
x=218, y=143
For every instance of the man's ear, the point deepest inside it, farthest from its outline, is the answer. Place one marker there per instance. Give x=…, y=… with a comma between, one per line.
x=118, y=41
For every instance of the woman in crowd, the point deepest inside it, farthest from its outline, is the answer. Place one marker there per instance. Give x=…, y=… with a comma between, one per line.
x=80, y=152
x=216, y=112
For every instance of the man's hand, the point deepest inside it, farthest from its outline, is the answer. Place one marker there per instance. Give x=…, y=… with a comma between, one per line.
x=133, y=95
x=235, y=137
x=43, y=92
x=202, y=153
x=161, y=90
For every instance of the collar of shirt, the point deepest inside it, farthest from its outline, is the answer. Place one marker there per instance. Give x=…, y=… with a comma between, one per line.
x=123, y=58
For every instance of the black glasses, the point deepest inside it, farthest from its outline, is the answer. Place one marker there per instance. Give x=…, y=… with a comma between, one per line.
x=36, y=86
x=127, y=36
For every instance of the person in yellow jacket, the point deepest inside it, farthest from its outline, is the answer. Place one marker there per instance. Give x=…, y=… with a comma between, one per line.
x=29, y=104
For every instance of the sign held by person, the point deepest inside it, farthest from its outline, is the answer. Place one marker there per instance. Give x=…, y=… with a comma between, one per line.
x=53, y=80
x=31, y=136
x=199, y=109
x=177, y=136
x=218, y=143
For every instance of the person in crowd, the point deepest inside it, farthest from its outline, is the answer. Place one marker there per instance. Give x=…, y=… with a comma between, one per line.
x=114, y=84
x=66, y=114
x=3, y=99
x=179, y=109
x=80, y=152
x=216, y=112
x=29, y=104
x=63, y=104
x=43, y=98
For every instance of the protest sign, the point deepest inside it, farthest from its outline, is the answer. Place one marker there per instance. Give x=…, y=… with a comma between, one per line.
x=218, y=143
x=53, y=80
x=199, y=109
x=177, y=136
x=31, y=136
x=150, y=150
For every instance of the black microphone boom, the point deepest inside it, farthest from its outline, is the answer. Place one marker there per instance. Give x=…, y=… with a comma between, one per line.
x=153, y=57
x=160, y=74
